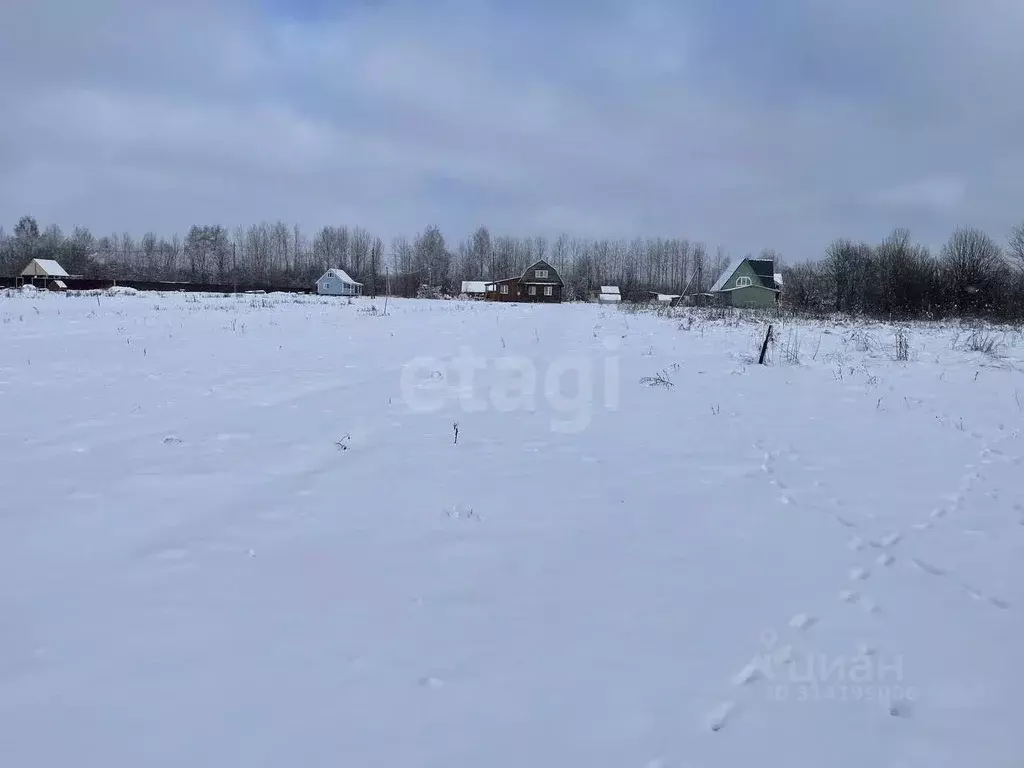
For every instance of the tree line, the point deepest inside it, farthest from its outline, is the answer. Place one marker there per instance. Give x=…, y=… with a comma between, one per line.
x=971, y=275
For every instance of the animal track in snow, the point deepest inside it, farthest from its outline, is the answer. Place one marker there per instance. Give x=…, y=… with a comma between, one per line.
x=784, y=655
x=858, y=574
x=802, y=621
x=885, y=559
x=849, y=596
x=891, y=538
x=720, y=715
x=870, y=605
x=973, y=592
x=856, y=544
x=928, y=567
x=863, y=649
x=748, y=674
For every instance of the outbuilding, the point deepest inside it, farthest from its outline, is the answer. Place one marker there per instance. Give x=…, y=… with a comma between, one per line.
x=48, y=272
x=474, y=289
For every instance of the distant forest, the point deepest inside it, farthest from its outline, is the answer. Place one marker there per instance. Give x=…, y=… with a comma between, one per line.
x=972, y=275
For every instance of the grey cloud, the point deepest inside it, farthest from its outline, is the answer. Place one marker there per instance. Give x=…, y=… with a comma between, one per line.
x=827, y=120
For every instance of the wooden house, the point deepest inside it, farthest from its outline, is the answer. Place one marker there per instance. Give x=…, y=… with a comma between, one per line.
x=539, y=282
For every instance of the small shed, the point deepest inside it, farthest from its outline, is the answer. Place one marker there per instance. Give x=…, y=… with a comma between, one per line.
x=336, y=282
x=474, y=289
x=44, y=268
x=665, y=298
x=609, y=294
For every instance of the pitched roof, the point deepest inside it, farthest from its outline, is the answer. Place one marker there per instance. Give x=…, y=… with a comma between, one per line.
x=47, y=267
x=341, y=274
x=723, y=278
x=763, y=268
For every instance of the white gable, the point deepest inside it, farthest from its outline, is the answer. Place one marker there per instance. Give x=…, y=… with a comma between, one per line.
x=44, y=267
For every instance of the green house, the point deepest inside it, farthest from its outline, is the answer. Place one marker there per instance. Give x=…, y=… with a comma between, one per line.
x=750, y=283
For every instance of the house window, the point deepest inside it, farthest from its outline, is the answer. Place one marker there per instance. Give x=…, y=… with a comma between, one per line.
x=548, y=290
x=743, y=282
x=504, y=288
x=542, y=273
x=533, y=290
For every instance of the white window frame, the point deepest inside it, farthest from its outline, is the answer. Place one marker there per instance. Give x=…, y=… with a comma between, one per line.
x=541, y=273
x=533, y=290
x=743, y=282
x=548, y=290
x=504, y=288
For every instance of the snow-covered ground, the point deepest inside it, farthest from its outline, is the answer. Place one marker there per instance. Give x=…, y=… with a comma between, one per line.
x=239, y=531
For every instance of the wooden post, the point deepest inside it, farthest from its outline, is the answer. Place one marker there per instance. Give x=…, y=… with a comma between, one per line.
x=764, y=346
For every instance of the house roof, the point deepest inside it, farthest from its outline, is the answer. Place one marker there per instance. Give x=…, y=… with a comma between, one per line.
x=341, y=274
x=474, y=286
x=47, y=267
x=723, y=278
x=545, y=264
x=522, y=278
x=763, y=268
x=613, y=289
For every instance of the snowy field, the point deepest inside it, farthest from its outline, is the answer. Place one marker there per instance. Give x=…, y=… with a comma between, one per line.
x=239, y=531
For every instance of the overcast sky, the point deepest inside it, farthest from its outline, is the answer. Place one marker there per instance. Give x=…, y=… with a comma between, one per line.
x=741, y=123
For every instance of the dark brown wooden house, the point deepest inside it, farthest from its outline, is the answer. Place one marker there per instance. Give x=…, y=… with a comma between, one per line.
x=540, y=282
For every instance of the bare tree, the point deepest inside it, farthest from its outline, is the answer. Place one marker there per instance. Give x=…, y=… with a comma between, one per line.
x=481, y=254
x=971, y=262
x=1015, y=248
